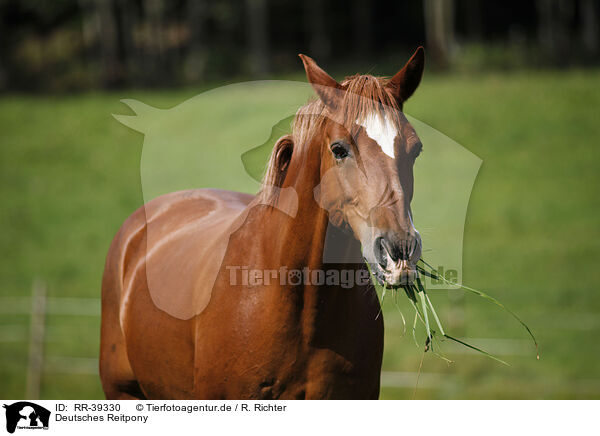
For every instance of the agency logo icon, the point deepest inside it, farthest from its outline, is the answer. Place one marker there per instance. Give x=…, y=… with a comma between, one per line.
x=26, y=415
x=203, y=143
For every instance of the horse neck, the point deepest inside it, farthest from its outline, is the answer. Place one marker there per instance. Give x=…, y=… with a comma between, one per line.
x=299, y=241
x=301, y=238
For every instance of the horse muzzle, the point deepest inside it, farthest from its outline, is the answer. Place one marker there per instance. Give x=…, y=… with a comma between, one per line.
x=400, y=274
x=397, y=259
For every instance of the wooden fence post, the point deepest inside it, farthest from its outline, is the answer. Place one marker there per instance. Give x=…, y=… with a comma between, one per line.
x=36, y=340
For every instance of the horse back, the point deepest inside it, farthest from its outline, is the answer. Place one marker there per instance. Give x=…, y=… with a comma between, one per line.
x=148, y=289
x=159, y=221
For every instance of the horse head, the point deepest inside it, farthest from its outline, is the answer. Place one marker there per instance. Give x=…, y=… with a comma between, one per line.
x=368, y=149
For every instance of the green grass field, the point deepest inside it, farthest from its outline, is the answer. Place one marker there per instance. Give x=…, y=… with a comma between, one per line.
x=70, y=176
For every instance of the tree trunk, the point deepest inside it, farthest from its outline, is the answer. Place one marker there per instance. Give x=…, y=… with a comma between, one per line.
x=553, y=30
x=439, y=30
x=195, y=65
x=109, y=41
x=156, y=45
x=257, y=36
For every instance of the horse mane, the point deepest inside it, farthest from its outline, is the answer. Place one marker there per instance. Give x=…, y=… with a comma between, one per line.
x=364, y=96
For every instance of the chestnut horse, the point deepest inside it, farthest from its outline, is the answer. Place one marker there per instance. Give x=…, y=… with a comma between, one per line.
x=179, y=320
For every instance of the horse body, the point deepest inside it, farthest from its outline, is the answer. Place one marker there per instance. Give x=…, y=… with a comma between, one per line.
x=179, y=322
x=250, y=342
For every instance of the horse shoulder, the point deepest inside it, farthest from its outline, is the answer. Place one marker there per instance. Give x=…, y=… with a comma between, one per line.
x=173, y=243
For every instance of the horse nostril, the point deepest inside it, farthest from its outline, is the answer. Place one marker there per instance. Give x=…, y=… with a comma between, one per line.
x=400, y=250
x=404, y=250
x=394, y=250
x=379, y=251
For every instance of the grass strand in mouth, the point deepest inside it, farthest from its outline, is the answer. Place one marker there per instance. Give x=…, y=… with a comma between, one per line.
x=437, y=320
x=491, y=356
x=401, y=314
x=431, y=334
x=424, y=296
x=434, y=275
x=424, y=306
x=414, y=329
x=431, y=339
x=417, y=291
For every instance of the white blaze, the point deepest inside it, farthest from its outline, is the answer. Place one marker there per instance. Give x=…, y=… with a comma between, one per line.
x=381, y=130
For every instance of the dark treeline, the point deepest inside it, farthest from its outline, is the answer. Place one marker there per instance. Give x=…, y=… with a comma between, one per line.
x=79, y=44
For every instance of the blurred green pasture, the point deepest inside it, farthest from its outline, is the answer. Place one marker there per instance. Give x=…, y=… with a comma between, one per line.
x=71, y=175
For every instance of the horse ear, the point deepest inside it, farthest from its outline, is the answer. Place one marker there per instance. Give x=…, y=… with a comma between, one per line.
x=326, y=87
x=404, y=83
x=279, y=162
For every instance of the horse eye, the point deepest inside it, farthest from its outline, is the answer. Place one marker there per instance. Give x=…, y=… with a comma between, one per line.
x=418, y=150
x=339, y=151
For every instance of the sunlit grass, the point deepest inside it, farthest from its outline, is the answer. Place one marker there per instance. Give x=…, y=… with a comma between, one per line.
x=70, y=176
